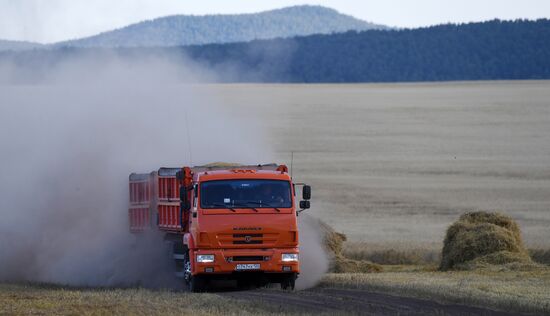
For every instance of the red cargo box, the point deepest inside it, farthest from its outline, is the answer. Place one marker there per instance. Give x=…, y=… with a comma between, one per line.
x=168, y=189
x=139, y=210
x=169, y=215
x=168, y=200
x=140, y=218
x=154, y=197
x=140, y=188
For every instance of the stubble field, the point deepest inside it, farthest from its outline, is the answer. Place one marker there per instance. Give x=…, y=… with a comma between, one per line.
x=397, y=163
x=392, y=166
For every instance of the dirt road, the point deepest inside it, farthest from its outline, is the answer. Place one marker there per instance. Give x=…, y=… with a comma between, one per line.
x=351, y=301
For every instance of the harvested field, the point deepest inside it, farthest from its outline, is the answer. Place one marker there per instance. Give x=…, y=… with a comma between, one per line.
x=398, y=163
x=392, y=167
x=397, y=254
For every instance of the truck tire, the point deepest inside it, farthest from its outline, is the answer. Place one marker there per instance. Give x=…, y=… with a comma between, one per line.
x=289, y=282
x=195, y=283
x=187, y=268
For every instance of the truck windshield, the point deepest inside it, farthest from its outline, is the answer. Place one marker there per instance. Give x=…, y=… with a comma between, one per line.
x=252, y=193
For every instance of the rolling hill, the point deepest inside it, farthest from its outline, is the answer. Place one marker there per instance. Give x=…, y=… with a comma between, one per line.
x=182, y=30
x=492, y=50
x=17, y=45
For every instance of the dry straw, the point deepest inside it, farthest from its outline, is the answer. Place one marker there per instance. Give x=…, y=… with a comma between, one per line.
x=481, y=239
x=334, y=244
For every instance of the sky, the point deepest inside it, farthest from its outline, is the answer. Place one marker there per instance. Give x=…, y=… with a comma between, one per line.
x=48, y=21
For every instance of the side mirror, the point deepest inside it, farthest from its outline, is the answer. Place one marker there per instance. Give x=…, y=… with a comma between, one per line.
x=306, y=192
x=304, y=205
x=184, y=199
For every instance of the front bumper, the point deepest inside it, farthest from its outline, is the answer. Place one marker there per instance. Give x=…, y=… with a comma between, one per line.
x=226, y=260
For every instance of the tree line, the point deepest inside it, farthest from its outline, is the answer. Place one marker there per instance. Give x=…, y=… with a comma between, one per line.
x=493, y=50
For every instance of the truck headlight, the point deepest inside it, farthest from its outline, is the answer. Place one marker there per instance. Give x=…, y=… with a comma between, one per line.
x=290, y=257
x=205, y=258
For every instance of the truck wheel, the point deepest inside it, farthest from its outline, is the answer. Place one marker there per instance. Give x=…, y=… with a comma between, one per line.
x=289, y=282
x=194, y=283
x=187, y=269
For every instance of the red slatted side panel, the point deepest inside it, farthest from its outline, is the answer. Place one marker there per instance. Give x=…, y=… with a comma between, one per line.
x=131, y=218
x=168, y=206
x=174, y=183
x=139, y=219
x=139, y=193
x=169, y=216
x=139, y=215
x=145, y=217
x=168, y=189
x=160, y=188
x=162, y=216
x=177, y=224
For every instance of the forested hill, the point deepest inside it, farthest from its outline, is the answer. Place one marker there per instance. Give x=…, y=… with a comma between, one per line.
x=18, y=45
x=493, y=50
x=477, y=51
x=180, y=30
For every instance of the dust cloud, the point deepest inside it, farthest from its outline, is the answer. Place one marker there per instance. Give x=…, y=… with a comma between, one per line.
x=69, y=136
x=68, y=142
x=314, y=261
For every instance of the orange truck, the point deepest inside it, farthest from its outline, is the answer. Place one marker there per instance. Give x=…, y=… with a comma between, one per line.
x=223, y=222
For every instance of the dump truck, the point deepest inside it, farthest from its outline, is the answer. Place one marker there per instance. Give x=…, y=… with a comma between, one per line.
x=223, y=222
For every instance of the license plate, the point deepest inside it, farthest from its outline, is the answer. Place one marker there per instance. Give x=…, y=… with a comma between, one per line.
x=249, y=266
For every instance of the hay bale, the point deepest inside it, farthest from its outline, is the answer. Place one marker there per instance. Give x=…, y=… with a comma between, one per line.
x=334, y=244
x=345, y=265
x=500, y=261
x=496, y=219
x=480, y=239
x=332, y=240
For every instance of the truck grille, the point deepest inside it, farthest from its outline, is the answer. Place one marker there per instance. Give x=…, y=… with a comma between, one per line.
x=248, y=239
x=243, y=239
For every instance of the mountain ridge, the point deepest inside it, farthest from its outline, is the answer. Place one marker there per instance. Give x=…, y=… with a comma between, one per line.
x=186, y=30
x=491, y=50
x=18, y=45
